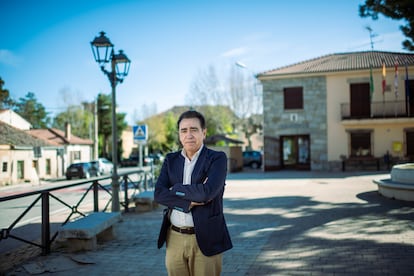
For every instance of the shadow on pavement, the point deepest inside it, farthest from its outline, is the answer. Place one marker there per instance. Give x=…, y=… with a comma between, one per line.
x=295, y=235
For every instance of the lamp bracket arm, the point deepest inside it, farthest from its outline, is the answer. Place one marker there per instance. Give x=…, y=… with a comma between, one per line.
x=112, y=79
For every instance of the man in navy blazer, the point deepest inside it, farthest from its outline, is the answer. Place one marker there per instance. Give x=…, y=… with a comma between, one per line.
x=191, y=184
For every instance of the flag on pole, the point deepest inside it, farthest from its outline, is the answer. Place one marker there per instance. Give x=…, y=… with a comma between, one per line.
x=371, y=81
x=384, y=82
x=407, y=86
x=407, y=89
x=396, y=78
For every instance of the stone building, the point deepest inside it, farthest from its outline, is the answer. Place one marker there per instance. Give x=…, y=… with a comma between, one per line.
x=338, y=111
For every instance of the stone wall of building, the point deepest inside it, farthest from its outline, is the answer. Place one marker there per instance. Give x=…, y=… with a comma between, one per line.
x=311, y=120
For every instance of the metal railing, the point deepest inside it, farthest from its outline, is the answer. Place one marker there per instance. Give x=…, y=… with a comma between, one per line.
x=389, y=109
x=131, y=183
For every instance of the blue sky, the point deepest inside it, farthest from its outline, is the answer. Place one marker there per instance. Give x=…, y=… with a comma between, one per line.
x=45, y=44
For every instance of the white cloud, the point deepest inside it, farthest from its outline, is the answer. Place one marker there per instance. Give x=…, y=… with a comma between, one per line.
x=9, y=58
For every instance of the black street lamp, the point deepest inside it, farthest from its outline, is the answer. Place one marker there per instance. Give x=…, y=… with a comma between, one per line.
x=103, y=52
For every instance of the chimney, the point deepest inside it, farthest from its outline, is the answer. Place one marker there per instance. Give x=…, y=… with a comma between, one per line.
x=68, y=133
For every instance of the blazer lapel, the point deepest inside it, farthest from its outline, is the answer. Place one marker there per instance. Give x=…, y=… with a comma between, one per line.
x=198, y=169
x=178, y=169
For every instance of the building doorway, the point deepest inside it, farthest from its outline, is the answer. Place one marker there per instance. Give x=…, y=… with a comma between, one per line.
x=409, y=140
x=20, y=169
x=410, y=98
x=295, y=152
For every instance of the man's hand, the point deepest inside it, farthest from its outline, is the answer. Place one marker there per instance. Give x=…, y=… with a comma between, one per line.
x=192, y=204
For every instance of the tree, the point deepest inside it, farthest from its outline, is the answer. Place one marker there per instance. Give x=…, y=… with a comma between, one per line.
x=243, y=97
x=33, y=111
x=207, y=93
x=238, y=91
x=79, y=115
x=205, y=89
x=246, y=101
x=5, y=100
x=395, y=9
x=121, y=126
x=219, y=119
x=162, y=132
x=162, y=127
x=170, y=129
x=79, y=118
x=105, y=125
x=251, y=126
x=144, y=112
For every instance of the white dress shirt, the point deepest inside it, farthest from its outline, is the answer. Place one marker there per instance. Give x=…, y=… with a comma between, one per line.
x=178, y=218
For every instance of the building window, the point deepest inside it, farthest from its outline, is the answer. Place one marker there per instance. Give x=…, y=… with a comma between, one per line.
x=35, y=165
x=360, y=143
x=4, y=167
x=293, y=97
x=48, y=164
x=76, y=155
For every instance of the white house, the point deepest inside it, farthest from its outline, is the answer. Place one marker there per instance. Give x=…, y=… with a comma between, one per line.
x=74, y=149
x=11, y=118
x=19, y=157
x=30, y=155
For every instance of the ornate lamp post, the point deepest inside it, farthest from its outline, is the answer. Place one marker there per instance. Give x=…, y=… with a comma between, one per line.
x=103, y=52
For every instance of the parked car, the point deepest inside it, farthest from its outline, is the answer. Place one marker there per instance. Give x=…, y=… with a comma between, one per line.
x=156, y=158
x=252, y=158
x=133, y=161
x=81, y=170
x=103, y=165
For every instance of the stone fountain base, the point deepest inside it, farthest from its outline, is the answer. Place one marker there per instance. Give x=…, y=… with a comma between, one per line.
x=401, y=184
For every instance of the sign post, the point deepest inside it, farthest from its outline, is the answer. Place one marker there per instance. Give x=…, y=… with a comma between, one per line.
x=140, y=138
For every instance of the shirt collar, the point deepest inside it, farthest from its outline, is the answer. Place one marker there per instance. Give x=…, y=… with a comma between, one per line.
x=195, y=157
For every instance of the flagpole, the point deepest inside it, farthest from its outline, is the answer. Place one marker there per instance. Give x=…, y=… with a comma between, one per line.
x=407, y=90
x=371, y=87
x=371, y=79
x=396, y=85
x=384, y=85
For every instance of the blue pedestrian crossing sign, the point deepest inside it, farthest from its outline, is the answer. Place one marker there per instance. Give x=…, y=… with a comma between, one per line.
x=140, y=133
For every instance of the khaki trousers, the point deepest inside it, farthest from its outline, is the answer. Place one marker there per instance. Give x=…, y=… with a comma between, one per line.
x=184, y=258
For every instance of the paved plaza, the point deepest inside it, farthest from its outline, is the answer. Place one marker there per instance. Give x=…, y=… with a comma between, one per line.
x=281, y=223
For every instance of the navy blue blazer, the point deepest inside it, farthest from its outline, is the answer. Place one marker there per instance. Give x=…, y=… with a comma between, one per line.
x=210, y=226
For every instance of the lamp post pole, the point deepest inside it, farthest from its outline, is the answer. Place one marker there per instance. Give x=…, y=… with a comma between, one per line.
x=115, y=183
x=103, y=53
x=95, y=133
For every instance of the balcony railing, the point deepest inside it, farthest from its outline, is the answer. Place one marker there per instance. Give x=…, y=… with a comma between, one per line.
x=376, y=110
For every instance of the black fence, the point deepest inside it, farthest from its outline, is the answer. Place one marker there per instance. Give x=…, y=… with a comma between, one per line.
x=131, y=183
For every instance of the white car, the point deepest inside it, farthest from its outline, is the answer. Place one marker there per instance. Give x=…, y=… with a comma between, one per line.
x=103, y=165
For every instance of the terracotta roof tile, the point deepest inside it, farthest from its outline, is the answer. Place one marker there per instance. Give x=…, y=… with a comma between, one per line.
x=57, y=137
x=16, y=137
x=344, y=62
